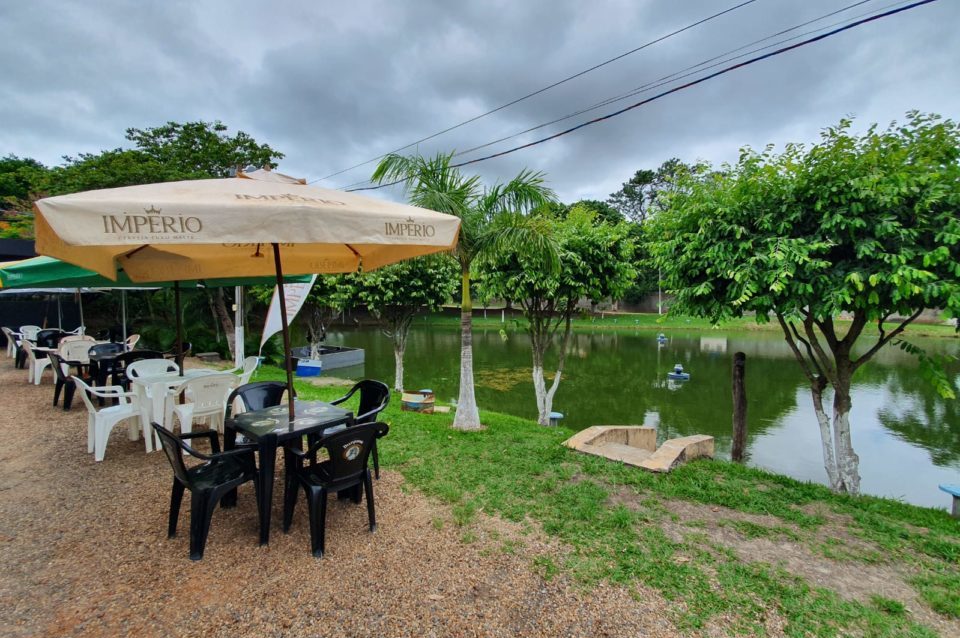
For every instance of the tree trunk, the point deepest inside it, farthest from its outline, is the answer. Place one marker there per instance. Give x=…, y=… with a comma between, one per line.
x=399, y=347
x=220, y=306
x=826, y=432
x=540, y=342
x=848, y=463
x=467, y=417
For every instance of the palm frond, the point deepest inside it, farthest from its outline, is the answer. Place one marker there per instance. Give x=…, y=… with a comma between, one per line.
x=531, y=237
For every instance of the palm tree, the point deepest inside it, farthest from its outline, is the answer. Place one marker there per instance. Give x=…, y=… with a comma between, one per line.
x=491, y=219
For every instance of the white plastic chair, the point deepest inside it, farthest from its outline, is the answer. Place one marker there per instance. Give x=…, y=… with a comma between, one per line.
x=73, y=337
x=29, y=332
x=132, y=341
x=100, y=423
x=12, y=338
x=150, y=367
x=246, y=370
x=77, y=349
x=35, y=365
x=79, y=330
x=206, y=398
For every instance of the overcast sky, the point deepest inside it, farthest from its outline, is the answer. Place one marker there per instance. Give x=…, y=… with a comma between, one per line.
x=332, y=84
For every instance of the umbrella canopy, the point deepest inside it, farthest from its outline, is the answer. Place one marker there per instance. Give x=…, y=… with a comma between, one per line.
x=231, y=227
x=219, y=228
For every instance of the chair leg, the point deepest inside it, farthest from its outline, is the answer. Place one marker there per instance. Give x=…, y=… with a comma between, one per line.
x=290, y=487
x=176, y=497
x=58, y=386
x=318, y=520
x=368, y=488
x=376, y=460
x=68, y=395
x=201, y=511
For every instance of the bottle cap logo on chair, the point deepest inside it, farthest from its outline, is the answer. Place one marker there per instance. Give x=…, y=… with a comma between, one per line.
x=352, y=450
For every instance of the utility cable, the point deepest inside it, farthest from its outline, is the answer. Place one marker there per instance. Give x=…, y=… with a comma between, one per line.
x=676, y=89
x=687, y=72
x=541, y=90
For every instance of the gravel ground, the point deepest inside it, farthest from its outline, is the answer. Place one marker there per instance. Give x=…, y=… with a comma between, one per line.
x=84, y=553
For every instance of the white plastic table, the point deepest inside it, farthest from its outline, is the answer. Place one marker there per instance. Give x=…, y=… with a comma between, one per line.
x=151, y=390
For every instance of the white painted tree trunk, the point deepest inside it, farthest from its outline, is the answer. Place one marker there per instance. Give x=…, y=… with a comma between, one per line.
x=839, y=458
x=399, y=347
x=467, y=416
x=543, y=394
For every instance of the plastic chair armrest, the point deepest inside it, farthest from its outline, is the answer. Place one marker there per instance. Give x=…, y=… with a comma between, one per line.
x=210, y=434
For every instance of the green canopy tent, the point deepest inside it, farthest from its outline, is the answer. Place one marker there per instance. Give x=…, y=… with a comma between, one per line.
x=46, y=272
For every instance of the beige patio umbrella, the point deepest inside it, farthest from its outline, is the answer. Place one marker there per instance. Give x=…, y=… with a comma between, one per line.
x=256, y=224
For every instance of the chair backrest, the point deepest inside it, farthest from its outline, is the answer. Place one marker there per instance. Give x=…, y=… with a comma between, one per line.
x=28, y=348
x=132, y=341
x=49, y=338
x=348, y=449
x=85, y=394
x=126, y=358
x=259, y=395
x=208, y=393
x=8, y=332
x=29, y=332
x=374, y=397
x=249, y=366
x=71, y=337
x=56, y=363
x=76, y=350
x=106, y=348
x=148, y=367
x=173, y=449
x=79, y=330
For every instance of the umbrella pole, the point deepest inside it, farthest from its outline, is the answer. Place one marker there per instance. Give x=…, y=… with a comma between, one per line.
x=176, y=302
x=285, y=328
x=59, y=314
x=123, y=312
x=80, y=301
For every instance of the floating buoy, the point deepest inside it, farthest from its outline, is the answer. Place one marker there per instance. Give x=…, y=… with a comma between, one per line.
x=678, y=374
x=555, y=418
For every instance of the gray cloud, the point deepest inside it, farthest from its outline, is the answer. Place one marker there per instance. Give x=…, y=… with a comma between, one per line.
x=334, y=84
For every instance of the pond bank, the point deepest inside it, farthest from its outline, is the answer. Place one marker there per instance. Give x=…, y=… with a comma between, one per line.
x=731, y=548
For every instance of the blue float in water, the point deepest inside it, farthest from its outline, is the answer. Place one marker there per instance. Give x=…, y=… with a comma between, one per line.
x=677, y=374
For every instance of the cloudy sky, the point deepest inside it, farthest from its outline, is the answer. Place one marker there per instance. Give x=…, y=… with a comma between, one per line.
x=333, y=84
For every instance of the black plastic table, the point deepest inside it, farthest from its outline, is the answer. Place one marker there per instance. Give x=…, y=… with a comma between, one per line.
x=271, y=427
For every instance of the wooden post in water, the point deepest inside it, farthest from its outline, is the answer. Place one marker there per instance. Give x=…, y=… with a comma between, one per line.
x=739, y=408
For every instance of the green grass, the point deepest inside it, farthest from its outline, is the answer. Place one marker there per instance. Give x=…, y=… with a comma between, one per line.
x=647, y=321
x=518, y=471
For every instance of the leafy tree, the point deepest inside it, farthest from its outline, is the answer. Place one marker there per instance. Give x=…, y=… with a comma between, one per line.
x=642, y=195
x=395, y=294
x=596, y=262
x=864, y=225
x=172, y=152
x=20, y=179
x=433, y=183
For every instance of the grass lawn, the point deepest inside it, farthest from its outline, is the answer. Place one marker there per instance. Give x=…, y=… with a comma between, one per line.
x=752, y=552
x=644, y=321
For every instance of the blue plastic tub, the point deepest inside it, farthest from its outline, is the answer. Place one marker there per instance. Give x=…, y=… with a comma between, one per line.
x=308, y=367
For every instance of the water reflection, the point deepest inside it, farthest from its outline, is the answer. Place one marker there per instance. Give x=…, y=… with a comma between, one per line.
x=908, y=438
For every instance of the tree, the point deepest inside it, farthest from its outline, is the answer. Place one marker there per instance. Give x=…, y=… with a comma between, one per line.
x=864, y=225
x=395, y=294
x=596, y=262
x=433, y=183
x=172, y=152
x=642, y=195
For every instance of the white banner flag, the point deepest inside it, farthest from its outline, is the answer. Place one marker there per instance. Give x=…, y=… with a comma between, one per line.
x=294, y=295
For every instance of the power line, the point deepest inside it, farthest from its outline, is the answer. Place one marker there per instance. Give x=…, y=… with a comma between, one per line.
x=676, y=89
x=539, y=91
x=686, y=72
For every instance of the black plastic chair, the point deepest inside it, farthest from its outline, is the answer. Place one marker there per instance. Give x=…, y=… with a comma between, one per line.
x=345, y=468
x=50, y=338
x=258, y=395
x=62, y=380
x=118, y=374
x=100, y=370
x=374, y=398
x=207, y=482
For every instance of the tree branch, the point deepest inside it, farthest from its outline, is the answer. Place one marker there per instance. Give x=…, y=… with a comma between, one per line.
x=796, y=351
x=826, y=365
x=886, y=338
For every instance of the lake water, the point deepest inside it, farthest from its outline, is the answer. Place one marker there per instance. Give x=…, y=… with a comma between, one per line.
x=908, y=438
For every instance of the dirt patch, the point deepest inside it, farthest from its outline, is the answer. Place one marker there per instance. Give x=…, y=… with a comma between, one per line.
x=851, y=579
x=84, y=552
